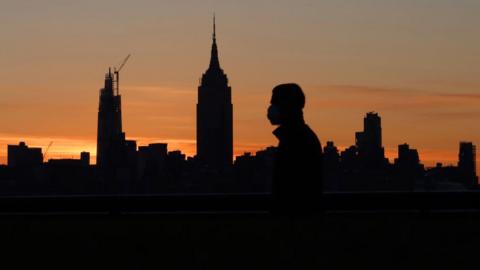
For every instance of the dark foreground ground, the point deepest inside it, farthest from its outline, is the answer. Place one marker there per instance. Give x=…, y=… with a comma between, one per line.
x=206, y=235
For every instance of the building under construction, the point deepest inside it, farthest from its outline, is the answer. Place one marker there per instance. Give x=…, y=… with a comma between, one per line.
x=115, y=155
x=109, y=122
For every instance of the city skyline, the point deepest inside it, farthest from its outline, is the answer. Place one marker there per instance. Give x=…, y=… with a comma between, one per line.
x=429, y=113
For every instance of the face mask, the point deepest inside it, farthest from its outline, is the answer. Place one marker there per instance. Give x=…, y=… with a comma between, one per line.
x=274, y=115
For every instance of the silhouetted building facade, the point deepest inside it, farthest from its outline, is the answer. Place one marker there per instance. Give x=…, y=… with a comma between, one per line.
x=84, y=161
x=113, y=150
x=214, y=116
x=467, y=164
x=116, y=156
x=443, y=178
x=69, y=176
x=253, y=173
x=331, y=166
x=23, y=156
x=152, y=167
x=408, y=158
x=85, y=158
x=110, y=136
x=407, y=168
x=369, y=141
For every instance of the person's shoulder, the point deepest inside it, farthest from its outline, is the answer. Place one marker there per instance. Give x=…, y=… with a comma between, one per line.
x=312, y=138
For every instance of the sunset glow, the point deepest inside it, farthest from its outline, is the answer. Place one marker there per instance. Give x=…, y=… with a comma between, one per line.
x=416, y=63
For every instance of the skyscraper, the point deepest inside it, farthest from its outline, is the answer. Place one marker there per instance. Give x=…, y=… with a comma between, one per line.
x=214, y=115
x=467, y=164
x=110, y=133
x=369, y=141
x=113, y=150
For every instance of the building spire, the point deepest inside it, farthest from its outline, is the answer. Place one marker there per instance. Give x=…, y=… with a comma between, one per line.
x=214, y=36
x=214, y=62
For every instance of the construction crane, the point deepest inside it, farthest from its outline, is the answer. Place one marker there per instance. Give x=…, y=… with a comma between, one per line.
x=116, y=71
x=46, y=150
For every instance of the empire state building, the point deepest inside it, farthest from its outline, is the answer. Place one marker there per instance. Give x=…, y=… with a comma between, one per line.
x=214, y=115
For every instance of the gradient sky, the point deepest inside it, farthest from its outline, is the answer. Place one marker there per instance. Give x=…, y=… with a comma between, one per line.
x=415, y=62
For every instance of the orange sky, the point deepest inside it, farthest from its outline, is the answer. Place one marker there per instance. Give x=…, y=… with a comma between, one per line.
x=414, y=62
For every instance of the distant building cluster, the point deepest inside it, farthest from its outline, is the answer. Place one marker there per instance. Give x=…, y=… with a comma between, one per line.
x=364, y=167
x=123, y=168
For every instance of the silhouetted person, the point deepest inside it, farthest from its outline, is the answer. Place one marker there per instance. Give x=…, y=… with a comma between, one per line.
x=297, y=173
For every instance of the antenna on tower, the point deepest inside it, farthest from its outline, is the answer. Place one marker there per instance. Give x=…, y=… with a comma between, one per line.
x=214, y=30
x=116, y=71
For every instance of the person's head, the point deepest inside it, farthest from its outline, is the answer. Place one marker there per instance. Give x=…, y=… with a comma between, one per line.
x=286, y=104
